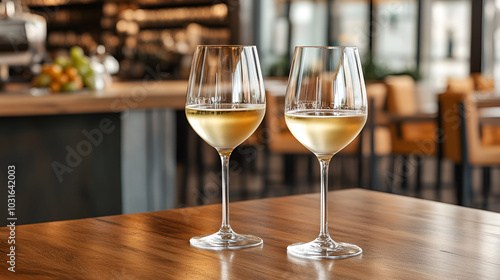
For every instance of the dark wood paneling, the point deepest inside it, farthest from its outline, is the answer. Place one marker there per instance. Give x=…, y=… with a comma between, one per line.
x=67, y=167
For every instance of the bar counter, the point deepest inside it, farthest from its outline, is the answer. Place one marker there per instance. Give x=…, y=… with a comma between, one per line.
x=401, y=238
x=43, y=132
x=20, y=100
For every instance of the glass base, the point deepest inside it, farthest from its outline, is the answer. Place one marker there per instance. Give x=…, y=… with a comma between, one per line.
x=225, y=241
x=323, y=249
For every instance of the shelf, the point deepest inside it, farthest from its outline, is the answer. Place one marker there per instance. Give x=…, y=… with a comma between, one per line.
x=180, y=25
x=43, y=4
x=110, y=22
x=155, y=4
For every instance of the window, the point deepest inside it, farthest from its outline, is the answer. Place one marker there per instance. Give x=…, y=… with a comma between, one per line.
x=446, y=41
x=395, y=35
x=491, y=35
x=350, y=24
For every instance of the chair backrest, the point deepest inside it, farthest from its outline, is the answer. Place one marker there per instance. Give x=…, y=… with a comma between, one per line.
x=401, y=98
x=483, y=83
x=279, y=138
x=376, y=94
x=451, y=123
x=402, y=101
x=275, y=115
x=460, y=85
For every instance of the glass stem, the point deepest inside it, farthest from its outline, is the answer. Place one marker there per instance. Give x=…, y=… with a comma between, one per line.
x=224, y=156
x=323, y=231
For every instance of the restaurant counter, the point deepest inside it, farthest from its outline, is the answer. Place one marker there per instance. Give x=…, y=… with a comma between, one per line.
x=20, y=100
x=92, y=153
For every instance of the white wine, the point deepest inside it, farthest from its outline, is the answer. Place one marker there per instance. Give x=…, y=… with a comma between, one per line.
x=325, y=132
x=225, y=126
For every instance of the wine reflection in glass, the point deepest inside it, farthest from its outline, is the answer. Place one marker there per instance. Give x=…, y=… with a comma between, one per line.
x=325, y=109
x=225, y=104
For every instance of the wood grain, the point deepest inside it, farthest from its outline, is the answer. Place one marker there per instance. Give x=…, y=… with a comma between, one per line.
x=16, y=100
x=402, y=238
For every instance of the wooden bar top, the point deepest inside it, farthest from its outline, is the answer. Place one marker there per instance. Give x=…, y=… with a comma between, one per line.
x=401, y=238
x=20, y=100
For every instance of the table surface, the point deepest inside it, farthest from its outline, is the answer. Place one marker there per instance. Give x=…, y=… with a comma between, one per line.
x=20, y=100
x=487, y=100
x=402, y=238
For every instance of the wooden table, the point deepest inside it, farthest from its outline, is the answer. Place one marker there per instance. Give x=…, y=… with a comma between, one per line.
x=487, y=100
x=488, y=108
x=402, y=238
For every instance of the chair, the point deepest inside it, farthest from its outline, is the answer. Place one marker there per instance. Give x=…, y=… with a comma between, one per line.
x=410, y=136
x=462, y=143
x=476, y=82
x=460, y=85
x=483, y=83
x=279, y=140
x=374, y=141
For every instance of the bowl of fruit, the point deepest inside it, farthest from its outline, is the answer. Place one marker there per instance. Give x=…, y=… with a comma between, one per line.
x=67, y=74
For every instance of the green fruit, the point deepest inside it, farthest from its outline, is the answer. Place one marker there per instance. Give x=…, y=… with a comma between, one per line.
x=63, y=61
x=82, y=60
x=43, y=80
x=83, y=69
x=76, y=52
x=69, y=87
x=89, y=81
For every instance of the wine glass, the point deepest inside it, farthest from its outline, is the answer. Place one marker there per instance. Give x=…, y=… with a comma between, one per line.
x=225, y=104
x=325, y=109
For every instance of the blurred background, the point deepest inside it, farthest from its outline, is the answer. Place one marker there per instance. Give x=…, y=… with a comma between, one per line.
x=431, y=41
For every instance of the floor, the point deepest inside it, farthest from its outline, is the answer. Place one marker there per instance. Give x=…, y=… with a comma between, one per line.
x=300, y=174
